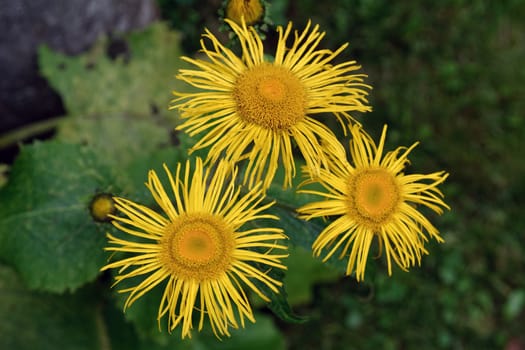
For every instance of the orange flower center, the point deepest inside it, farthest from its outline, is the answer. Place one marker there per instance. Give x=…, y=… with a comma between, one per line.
x=270, y=96
x=373, y=196
x=198, y=246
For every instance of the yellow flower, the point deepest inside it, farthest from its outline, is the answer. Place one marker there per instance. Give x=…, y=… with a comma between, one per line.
x=251, y=10
x=102, y=206
x=374, y=198
x=252, y=108
x=197, y=248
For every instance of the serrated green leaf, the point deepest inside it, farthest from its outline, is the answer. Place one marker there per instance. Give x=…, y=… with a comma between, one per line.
x=46, y=231
x=140, y=83
x=118, y=139
x=46, y=321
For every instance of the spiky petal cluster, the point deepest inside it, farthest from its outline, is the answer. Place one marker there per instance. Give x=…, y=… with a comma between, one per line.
x=197, y=248
x=373, y=198
x=253, y=108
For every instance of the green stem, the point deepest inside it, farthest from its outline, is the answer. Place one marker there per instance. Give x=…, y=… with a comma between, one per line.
x=25, y=132
x=103, y=337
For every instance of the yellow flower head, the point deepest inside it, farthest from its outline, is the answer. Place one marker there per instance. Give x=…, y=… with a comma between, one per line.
x=198, y=248
x=251, y=10
x=374, y=198
x=102, y=206
x=251, y=108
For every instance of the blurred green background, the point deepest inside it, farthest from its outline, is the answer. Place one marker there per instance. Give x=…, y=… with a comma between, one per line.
x=449, y=74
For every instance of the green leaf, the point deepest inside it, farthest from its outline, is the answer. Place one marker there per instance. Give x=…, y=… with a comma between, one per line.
x=138, y=83
x=278, y=301
x=304, y=271
x=260, y=335
x=46, y=231
x=119, y=139
x=46, y=321
x=143, y=312
x=121, y=333
x=137, y=171
x=301, y=233
x=281, y=307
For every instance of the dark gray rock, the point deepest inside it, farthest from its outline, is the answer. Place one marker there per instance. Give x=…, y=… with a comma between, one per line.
x=68, y=26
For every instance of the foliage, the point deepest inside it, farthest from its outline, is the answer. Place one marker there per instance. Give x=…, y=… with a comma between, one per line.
x=85, y=320
x=106, y=144
x=45, y=228
x=49, y=321
x=446, y=73
x=91, y=84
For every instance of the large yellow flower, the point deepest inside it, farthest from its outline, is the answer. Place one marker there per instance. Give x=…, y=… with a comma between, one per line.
x=250, y=107
x=198, y=248
x=374, y=198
